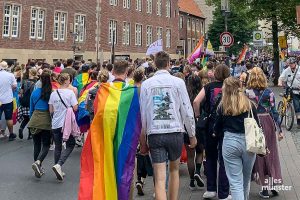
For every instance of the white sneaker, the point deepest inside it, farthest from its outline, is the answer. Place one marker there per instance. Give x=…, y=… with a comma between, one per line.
x=228, y=198
x=52, y=147
x=209, y=195
x=58, y=172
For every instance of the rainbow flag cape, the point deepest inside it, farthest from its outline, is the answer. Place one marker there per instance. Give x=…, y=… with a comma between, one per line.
x=204, y=60
x=197, y=51
x=108, y=156
x=243, y=54
x=83, y=117
x=81, y=80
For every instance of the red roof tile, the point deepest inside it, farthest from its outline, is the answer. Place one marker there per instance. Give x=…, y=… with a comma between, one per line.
x=190, y=7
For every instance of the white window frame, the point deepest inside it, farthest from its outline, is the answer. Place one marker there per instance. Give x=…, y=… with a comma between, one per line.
x=188, y=23
x=180, y=21
x=126, y=4
x=138, y=6
x=61, y=24
x=79, y=27
x=168, y=8
x=112, y=28
x=126, y=33
x=37, y=23
x=168, y=38
x=113, y=2
x=149, y=6
x=159, y=7
x=13, y=20
x=138, y=34
x=149, y=34
x=159, y=33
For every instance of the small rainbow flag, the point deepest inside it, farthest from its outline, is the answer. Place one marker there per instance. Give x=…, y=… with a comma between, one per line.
x=243, y=54
x=83, y=118
x=55, y=85
x=81, y=80
x=197, y=51
x=108, y=156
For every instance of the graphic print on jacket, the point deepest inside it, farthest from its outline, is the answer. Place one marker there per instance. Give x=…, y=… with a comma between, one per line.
x=163, y=112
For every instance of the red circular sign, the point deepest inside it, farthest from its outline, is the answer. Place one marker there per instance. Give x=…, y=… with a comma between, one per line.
x=226, y=39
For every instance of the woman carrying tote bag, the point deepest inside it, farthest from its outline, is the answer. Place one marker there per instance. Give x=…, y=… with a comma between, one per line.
x=267, y=169
x=231, y=113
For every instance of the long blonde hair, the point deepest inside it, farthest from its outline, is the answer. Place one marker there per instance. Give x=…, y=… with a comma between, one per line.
x=257, y=79
x=234, y=102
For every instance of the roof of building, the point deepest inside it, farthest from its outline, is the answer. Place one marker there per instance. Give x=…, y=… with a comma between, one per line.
x=190, y=7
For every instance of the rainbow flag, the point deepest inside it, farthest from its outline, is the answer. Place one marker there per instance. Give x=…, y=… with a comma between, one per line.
x=108, y=156
x=83, y=117
x=81, y=80
x=197, y=51
x=15, y=111
x=204, y=60
x=243, y=54
x=55, y=85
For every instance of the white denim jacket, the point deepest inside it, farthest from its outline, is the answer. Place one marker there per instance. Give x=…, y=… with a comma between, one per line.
x=165, y=105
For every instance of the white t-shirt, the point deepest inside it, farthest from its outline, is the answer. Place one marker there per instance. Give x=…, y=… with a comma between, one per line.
x=111, y=77
x=60, y=110
x=7, y=80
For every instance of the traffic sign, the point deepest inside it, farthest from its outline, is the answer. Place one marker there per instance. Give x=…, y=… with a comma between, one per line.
x=226, y=39
x=258, y=39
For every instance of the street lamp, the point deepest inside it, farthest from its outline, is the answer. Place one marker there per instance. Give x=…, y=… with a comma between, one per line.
x=225, y=9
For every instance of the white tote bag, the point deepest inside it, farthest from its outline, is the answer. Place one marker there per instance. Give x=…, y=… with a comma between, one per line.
x=255, y=138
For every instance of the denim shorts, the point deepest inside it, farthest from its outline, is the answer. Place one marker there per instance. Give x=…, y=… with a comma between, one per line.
x=8, y=110
x=165, y=147
x=296, y=102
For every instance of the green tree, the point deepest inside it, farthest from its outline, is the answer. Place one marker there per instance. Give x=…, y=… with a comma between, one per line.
x=240, y=26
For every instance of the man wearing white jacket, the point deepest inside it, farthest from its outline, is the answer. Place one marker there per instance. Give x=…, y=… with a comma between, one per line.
x=166, y=111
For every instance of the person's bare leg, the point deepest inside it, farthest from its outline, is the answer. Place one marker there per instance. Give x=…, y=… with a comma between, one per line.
x=174, y=179
x=10, y=126
x=160, y=181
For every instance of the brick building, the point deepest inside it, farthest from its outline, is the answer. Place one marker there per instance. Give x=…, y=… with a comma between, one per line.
x=47, y=29
x=191, y=25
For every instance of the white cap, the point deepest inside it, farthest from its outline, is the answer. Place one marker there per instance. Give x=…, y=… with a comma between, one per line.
x=3, y=65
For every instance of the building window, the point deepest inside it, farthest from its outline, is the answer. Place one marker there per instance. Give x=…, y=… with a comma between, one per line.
x=149, y=6
x=37, y=23
x=168, y=8
x=79, y=27
x=139, y=5
x=189, y=46
x=126, y=33
x=181, y=22
x=149, y=35
x=158, y=8
x=159, y=31
x=113, y=2
x=126, y=4
x=59, y=32
x=188, y=24
x=168, y=38
x=112, y=31
x=138, y=35
x=193, y=26
x=202, y=28
x=11, y=21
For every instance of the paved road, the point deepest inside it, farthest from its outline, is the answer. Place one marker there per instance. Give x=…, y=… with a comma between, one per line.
x=18, y=183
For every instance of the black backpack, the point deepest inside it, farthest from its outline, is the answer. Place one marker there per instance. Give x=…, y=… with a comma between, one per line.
x=25, y=99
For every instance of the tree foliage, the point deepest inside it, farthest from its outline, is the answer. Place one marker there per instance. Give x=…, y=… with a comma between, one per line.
x=239, y=25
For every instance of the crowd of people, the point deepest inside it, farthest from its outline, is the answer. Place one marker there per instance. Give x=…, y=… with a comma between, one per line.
x=200, y=108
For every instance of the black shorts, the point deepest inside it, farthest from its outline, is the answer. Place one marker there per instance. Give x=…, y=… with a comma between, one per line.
x=8, y=110
x=165, y=147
